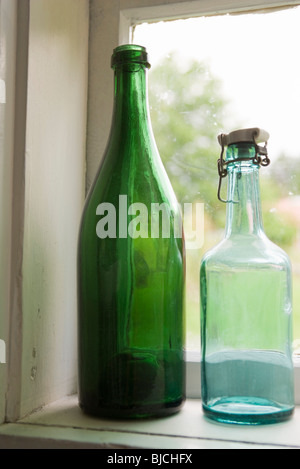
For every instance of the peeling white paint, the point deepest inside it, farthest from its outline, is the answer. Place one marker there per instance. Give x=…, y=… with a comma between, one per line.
x=2, y=92
x=2, y=352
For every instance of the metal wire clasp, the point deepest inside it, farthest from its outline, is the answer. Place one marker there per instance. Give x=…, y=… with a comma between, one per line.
x=261, y=158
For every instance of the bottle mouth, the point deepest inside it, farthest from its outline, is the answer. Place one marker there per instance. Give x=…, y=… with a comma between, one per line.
x=130, y=54
x=240, y=153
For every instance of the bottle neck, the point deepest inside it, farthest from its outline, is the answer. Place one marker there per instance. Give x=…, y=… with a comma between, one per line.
x=243, y=216
x=131, y=98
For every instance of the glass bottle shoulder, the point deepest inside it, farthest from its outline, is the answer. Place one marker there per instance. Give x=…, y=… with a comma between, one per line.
x=249, y=252
x=140, y=176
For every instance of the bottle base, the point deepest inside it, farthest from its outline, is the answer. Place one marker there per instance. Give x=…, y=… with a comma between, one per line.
x=136, y=412
x=247, y=411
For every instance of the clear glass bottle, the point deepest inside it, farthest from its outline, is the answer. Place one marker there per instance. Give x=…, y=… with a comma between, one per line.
x=131, y=267
x=246, y=302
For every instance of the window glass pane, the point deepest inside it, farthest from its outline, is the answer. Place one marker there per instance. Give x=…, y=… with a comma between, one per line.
x=216, y=74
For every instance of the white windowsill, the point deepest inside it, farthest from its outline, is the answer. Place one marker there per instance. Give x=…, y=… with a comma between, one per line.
x=63, y=425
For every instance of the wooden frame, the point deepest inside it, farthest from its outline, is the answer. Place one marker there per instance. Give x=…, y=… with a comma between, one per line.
x=45, y=182
x=8, y=39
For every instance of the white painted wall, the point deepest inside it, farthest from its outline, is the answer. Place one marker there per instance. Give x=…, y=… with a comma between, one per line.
x=104, y=35
x=54, y=195
x=7, y=103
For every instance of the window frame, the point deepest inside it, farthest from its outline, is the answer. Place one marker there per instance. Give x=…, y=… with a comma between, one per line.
x=19, y=146
x=111, y=24
x=8, y=40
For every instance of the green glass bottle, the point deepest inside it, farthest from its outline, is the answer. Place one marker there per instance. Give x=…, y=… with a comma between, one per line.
x=131, y=266
x=246, y=302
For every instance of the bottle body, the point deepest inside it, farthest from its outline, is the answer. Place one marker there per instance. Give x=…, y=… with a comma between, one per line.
x=131, y=273
x=246, y=314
